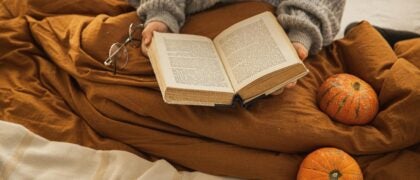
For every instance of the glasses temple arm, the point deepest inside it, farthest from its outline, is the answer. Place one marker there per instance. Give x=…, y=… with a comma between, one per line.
x=108, y=60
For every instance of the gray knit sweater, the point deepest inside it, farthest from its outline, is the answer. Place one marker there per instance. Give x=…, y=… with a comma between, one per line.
x=314, y=23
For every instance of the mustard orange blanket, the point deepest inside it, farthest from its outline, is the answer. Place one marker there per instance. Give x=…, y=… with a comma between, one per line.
x=53, y=82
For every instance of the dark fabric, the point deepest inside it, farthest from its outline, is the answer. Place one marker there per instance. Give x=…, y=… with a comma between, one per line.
x=392, y=36
x=53, y=82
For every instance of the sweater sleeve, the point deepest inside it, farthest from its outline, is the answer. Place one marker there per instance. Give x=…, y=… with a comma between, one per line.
x=314, y=23
x=170, y=12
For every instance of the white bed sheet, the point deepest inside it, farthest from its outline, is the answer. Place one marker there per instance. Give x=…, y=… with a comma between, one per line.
x=25, y=155
x=395, y=14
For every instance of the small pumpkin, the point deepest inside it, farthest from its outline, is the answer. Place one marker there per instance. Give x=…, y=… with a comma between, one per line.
x=348, y=99
x=330, y=164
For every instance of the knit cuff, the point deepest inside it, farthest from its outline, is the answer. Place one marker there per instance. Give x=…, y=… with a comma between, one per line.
x=165, y=17
x=300, y=37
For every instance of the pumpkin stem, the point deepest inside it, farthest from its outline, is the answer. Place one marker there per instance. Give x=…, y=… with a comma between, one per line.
x=356, y=86
x=335, y=174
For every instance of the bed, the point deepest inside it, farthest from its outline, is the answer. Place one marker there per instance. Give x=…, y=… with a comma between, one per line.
x=55, y=84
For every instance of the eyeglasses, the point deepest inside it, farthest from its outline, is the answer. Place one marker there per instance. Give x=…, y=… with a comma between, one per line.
x=118, y=54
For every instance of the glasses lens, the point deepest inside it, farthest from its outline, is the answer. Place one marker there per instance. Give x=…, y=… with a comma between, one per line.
x=119, y=56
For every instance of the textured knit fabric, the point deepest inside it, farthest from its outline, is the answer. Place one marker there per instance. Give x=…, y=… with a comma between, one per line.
x=314, y=23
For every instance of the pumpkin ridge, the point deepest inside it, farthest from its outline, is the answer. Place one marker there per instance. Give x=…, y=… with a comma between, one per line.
x=340, y=164
x=351, y=103
x=345, y=167
x=358, y=108
x=315, y=170
x=332, y=98
x=328, y=164
x=341, y=104
x=325, y=92
x=320, y=165
x=349, y=165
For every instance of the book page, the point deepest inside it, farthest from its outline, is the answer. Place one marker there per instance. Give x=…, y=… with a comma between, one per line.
x=253, y=48
x=190, y=62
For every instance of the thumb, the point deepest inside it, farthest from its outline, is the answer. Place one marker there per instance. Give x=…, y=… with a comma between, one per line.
x=302, y=54
x=301, y=50
x=145, y=42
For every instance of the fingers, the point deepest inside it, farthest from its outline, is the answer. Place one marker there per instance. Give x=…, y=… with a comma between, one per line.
x=303, y=54
x=301, y=50
x=290, y=85
x=145, y=42
x=147, y=34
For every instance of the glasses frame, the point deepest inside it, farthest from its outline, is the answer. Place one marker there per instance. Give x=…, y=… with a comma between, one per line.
x=111, y=61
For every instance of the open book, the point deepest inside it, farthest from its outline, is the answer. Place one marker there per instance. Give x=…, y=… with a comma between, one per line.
x=249, y=59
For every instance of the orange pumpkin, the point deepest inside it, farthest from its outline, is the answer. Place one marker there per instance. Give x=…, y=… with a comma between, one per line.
x=329, y=164
x=348, y=99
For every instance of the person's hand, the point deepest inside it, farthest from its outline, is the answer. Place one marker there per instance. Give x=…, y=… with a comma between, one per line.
x=303, y=54
x=301, y=50
x=147, y=34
